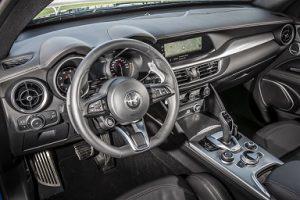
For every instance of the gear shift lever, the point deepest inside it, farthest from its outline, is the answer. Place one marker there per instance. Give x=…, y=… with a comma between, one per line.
x=228, y=126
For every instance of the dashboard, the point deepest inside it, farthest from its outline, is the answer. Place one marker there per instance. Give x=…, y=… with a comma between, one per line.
x=207, y=45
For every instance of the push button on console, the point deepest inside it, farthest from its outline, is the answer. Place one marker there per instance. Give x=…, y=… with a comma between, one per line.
x=227, y=156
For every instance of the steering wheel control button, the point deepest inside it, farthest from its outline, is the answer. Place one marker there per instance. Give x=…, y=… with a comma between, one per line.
x=97, y=107
x=36, y=122
x=251, y=157
x=227, y=157
x=159, y=93
x=250, y=145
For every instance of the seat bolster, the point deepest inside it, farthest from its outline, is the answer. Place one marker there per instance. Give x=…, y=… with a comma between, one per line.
x=207, y=187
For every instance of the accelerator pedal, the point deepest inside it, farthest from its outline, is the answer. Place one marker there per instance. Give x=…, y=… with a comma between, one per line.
x=45, y=172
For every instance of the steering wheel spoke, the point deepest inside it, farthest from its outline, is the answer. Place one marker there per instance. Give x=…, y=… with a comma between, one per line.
x=95, y=106
x=159, y=92
x=137, y=139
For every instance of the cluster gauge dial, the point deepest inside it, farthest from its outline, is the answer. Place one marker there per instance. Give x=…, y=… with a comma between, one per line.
x=64, y=79
x=121, y=67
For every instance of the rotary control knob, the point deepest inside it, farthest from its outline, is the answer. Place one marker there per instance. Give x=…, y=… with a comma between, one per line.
x=206, y=92
x=197, y=107
x=36, y=122
x=251, y=157
x=250, y=145
x=227, y=156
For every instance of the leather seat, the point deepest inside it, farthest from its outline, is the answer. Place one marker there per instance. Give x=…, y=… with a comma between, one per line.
x=282, y=139
x=283, y=183
x=197, y=186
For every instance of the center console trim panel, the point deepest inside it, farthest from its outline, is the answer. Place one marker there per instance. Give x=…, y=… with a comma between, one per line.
x=246, y=176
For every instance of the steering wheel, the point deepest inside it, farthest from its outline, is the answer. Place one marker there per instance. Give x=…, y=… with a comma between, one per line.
x=123, y=101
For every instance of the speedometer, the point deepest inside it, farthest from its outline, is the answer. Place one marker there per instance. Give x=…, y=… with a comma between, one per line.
x=121, y=67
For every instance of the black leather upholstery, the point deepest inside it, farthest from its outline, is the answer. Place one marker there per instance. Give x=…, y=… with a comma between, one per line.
x=280, y=138
x=283, y=183
x=197, y=186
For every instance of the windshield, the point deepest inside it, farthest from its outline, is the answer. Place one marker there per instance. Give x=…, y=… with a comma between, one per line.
x=59, y=9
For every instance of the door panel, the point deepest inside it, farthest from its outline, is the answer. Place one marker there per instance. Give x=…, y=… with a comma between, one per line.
x=280, y=90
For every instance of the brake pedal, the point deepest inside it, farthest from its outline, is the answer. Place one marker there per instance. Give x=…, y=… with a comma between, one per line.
x=83, y=150
x=46, y=174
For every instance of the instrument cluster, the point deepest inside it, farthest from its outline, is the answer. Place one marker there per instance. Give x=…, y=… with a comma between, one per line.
x=129, y=63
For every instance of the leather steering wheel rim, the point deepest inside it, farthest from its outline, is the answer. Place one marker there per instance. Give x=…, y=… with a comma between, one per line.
x=80, y=123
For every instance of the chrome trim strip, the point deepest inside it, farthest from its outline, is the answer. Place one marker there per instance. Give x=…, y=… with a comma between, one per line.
x=205, y=130
x=235, y=46
x=138, y=127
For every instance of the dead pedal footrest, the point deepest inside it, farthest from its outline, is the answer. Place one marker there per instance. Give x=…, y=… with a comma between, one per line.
x=46, y=174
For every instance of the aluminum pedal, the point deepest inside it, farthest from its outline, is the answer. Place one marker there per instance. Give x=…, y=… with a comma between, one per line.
x=83, y=150
x=44, y=169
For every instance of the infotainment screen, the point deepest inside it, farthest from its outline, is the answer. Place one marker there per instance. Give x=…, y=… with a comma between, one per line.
x=183, y=47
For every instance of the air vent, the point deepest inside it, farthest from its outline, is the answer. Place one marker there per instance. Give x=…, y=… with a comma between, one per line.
x=287, y=34
x=182, y=76
x=208, y=69
x=197, y=72
x=15, y=62
x=29, y=96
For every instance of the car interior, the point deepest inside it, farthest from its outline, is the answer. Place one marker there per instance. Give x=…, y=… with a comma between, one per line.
x=150, y=99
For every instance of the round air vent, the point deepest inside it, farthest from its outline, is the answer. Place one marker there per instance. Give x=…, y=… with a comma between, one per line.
x=287, y=34
x=29, y=96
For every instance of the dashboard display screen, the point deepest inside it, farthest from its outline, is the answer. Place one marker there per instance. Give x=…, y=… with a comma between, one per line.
x=183, y=47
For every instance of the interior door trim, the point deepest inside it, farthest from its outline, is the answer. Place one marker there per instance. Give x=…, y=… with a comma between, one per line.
x=284, y=91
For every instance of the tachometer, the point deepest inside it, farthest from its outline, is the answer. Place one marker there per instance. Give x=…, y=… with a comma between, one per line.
x=64, y=79
x=121, y=67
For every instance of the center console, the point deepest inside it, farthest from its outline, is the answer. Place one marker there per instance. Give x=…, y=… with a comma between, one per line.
x=243, y=162
x=220, y=145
